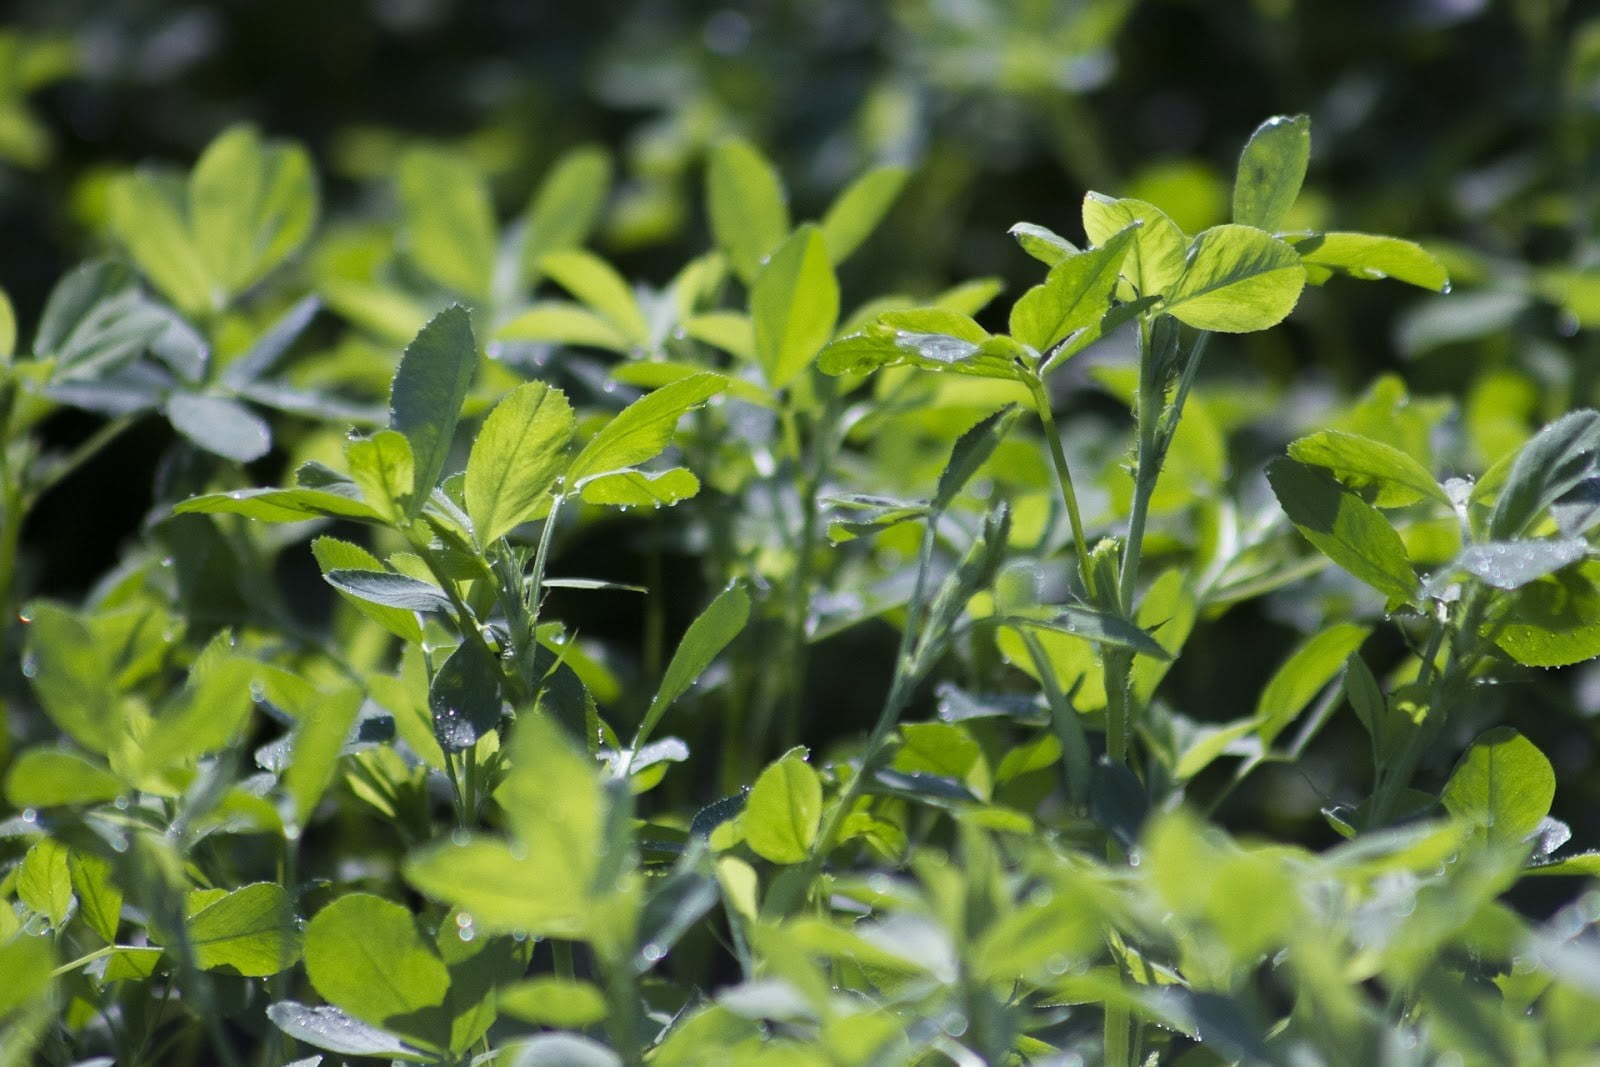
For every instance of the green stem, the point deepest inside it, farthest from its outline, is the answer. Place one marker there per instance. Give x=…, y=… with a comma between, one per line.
x=800, y=587
x=86, y=450
x=1058, y=456
x=84, y=961
x=561, y=959
x=1395, y=779
x=907, y=660
x=622, y=1019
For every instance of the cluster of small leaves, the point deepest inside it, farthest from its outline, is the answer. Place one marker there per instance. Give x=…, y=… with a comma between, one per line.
x=1010, y=864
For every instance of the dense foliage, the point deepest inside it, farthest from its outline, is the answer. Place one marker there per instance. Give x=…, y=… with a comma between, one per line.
x=673, y=606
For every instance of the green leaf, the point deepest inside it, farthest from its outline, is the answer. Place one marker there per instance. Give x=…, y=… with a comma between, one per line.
x=516, y=458
x=49, y=777
x=1157, y=258
x=146, y=216
x=70, y=679
x=971, y=451
x=546, y=885
x=1513, y=564
x=566, y=207
x=335, y=1031
x=278, y=505
x=551, y=1001
x=1310, y=667
x=642, y=430
x=251, y=931
x=1343, y=527
x=252, y=203
x=1503, y=783
x=448, y=219
x=722, y=621
x=367, y=956
x=99, y=899
x=464, y=697
x=1552, y=622
x=730, y=331
x=1236, y=279
x=504, y=889
x=794, y=305
x=219, y=425
x=333, y=554
x=1271, y=170
x=1043, y=244
x=8, y=330
x=1098, y=626
x=1038, y=940
x=745, y=201
x=1075, y=295
x=390, y=590
x=784, y=811
x=27, y=963
x=429, y=388
x=560, y=322
x=597, y=283
x=1371, y=257
x=318, y=740
x=1557, y=459
x=44, y=881
x=638, y=489
x=1362, y=463
x=856, y=212
x=207, y=713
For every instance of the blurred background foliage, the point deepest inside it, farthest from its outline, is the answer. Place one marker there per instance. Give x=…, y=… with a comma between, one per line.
x=1470, y=125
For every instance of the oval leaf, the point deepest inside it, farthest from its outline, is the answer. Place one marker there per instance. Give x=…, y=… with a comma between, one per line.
x=516, y=458
x=1271, y=170
x=783, y=811
x=1237, y=279
x=794, y=305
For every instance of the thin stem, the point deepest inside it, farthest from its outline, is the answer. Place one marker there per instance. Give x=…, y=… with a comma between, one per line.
x=85, y=451
x=84, y=961
x=800, y=587
x=561, y=959
x=1058, y=456
x=900, y=689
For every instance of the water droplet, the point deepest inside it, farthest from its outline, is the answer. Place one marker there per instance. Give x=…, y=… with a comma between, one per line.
x=166, y=561
x=954, y=1023
x=291, y=833
x=24, y=617
x=609, y=387
x=121, y=803
x=258, y=692
x=30, y=666
x=1445, y=289
x=653, y=952
x=1567, y=324
x=519, y=936
x=464, y=919
x=459, y=836
x=30, y=816
x=1058, y=963
x=467, y=933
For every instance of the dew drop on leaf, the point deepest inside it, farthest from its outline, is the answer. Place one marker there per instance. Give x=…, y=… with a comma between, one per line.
x=954, y=1024
x=30, y=816
x=24, y=618
x=653, y=952
x=459, y=836
x=30, y=666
